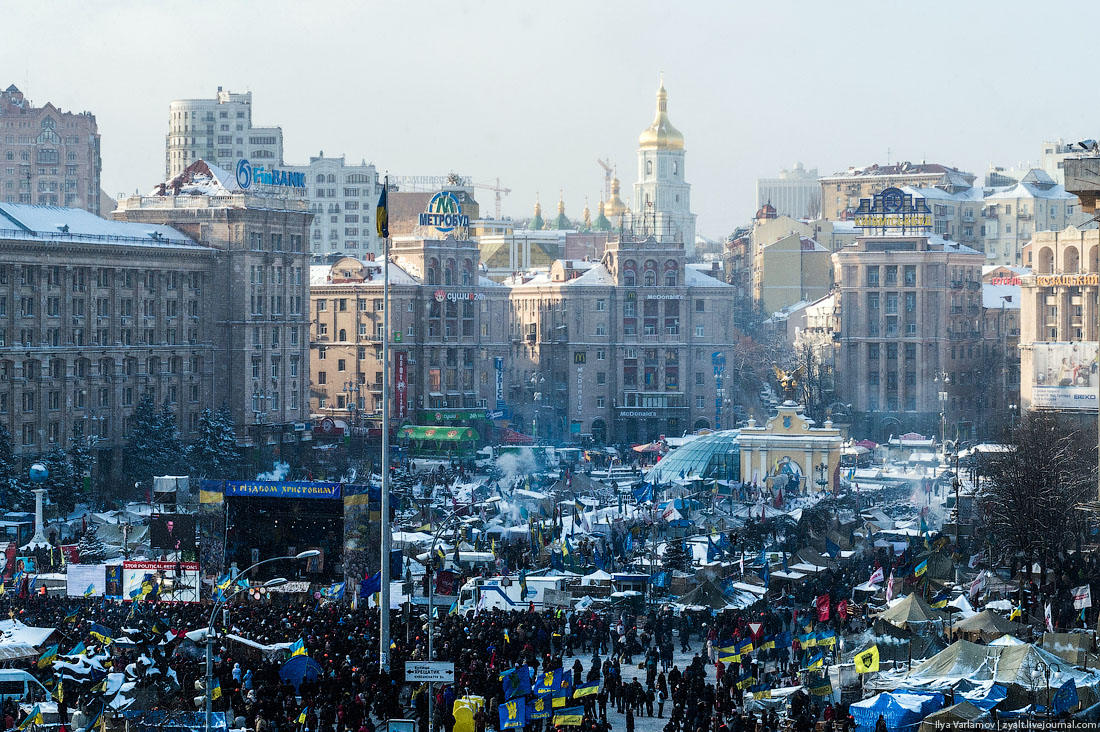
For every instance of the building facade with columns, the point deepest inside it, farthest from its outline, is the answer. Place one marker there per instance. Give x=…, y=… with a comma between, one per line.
x=1058, y=321
x=625, y=349
x=448, y=338
x=790, y=444
x=910, y=312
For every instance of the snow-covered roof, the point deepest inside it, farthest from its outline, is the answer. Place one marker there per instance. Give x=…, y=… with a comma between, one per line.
x=596, y=276
x=1032, y=190
x=320, y=274
x=200, y=179
x=693, y=277
x=22, y=221
x=931, y=193
x=1001, y=296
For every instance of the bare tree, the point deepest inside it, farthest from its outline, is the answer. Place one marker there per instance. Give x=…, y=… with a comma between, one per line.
x=1029, y=496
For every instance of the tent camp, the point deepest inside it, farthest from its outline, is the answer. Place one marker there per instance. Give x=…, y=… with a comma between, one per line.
x=1015, y=667
x=984, y=626
x=911, y=611
x=952, y=717
x=899, y=710
x=1074, y=647
x=708, y=595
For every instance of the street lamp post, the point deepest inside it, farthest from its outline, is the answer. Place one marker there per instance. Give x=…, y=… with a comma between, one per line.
x=942, y=380
x=209, y=691
x=431, y=599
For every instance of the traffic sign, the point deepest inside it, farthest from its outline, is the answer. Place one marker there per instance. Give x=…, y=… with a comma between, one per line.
x=438, y=671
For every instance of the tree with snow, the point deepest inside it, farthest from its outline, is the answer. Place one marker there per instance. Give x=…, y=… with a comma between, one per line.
x=90, y=548
x=153, y=446
x=214, y=454
x=677, y=557
x=59, y=479
x=13, y=491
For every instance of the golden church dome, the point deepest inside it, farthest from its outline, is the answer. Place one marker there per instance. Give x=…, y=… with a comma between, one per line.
x=615, y=206
x=661, y=135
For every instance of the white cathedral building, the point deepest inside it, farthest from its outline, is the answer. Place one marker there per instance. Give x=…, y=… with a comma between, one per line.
x=662, y=199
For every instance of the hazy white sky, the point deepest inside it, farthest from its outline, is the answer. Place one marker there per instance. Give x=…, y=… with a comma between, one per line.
x=534, y=93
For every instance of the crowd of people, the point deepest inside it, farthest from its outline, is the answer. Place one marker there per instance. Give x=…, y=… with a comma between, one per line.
x=632, y=656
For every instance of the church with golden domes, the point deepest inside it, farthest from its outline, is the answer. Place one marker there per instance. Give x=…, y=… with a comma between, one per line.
x=662, y=198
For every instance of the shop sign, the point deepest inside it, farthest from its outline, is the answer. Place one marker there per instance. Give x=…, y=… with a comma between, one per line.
x=893, y=210
x=401, y=384
x=442, y=414
x=1015, y=281
x=441, y=295
x=664, y=297
x=1067, y=280
x=636, y=413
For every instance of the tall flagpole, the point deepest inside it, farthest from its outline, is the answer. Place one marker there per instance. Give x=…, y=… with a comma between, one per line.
x=384, y=603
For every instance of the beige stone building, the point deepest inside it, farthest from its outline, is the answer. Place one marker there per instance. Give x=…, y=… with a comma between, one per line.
x=96, y=314
x=1058, y=321
x=910, y=310
x=841, y=192
x=621, y=350
x=448, y=328
x=1012, y=215
x=793, y=269
x=257, y=294
x=48, y=157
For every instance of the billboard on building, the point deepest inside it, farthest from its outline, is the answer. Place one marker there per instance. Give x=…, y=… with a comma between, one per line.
x=1065, y=375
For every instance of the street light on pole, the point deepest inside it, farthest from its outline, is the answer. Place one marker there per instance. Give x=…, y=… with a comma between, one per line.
x=209, y=691
x=942, y=380
x=431, y=597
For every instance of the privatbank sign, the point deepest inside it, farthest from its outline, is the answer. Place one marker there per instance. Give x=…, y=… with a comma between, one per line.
x=893, y=210
x=444, y=213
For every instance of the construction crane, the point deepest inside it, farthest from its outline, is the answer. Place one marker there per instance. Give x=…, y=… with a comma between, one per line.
x=496, y=189
x=607, y=173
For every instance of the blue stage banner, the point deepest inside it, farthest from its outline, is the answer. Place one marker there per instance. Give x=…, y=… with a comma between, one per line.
x=281, y=489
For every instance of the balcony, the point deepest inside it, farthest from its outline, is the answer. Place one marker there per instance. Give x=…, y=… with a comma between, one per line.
x=956, y=309
x=956, y=284
x=973, y=285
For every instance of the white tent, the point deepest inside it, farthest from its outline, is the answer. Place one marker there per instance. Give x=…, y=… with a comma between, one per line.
x=599, y=577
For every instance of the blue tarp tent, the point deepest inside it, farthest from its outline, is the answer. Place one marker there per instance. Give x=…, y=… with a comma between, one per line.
x=900, y=709
x=298, y=669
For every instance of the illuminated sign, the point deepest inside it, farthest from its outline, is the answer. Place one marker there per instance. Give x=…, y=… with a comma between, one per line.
x=281, y=489
x=893, y=210
x=441, y=295
x=664, y=297
x=401, y=383
x=634, y=413
x=247, y=175
x=444, y=213
x=1067, y=280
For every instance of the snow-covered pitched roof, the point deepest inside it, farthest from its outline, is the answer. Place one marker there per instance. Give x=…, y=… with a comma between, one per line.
x=1001, y=296
x=973, y=194
x=693, y=277
x=1032, y=190
x=321, y=274
x=596, y=276
x=200, y=179
x=56, y=223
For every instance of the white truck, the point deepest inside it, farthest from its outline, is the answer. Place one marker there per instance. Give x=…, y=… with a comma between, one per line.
x=503, y=592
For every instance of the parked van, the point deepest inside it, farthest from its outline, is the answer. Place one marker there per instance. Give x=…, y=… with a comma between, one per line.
x=20, y=686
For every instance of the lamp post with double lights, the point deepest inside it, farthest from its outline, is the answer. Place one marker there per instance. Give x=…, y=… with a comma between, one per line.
x=209, y=691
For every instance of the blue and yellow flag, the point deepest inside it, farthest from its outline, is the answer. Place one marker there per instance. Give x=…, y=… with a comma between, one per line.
x=102, y=633
x=559, y=700
x=589, y=689
x=549, y=681
x=70, y=617
x=77, y=650
x=48, y=656
x=382, y=213
x=816, y=661
x=921, y=568
x=298, y=648
x=821, y=687
x=941, y=598
x=89, y=591
x=538, y=708
x=302, y=716
x=216, y=692
x=513, y=714
x=35, y=717
x=569, y=717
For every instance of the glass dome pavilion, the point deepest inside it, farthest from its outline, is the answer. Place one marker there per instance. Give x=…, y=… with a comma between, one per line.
x=717, y=455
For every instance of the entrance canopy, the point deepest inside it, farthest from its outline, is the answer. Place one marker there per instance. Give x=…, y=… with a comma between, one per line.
x=445, y=434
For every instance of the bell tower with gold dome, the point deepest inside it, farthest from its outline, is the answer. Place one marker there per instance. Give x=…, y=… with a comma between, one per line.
x=662, y=200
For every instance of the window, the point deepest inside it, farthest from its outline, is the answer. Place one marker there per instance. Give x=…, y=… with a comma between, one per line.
x=322, y=377
x=341, y=364
x=700, y=306
x=698, y=331
x=601, y=305
x=601, y=329
x=601, y=402
x=601, y=354
x=601, y=377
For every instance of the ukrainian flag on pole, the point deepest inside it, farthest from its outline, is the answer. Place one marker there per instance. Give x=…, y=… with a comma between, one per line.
x=298, y=648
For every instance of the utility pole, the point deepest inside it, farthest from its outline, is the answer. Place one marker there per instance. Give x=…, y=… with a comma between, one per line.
x=384, y=595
